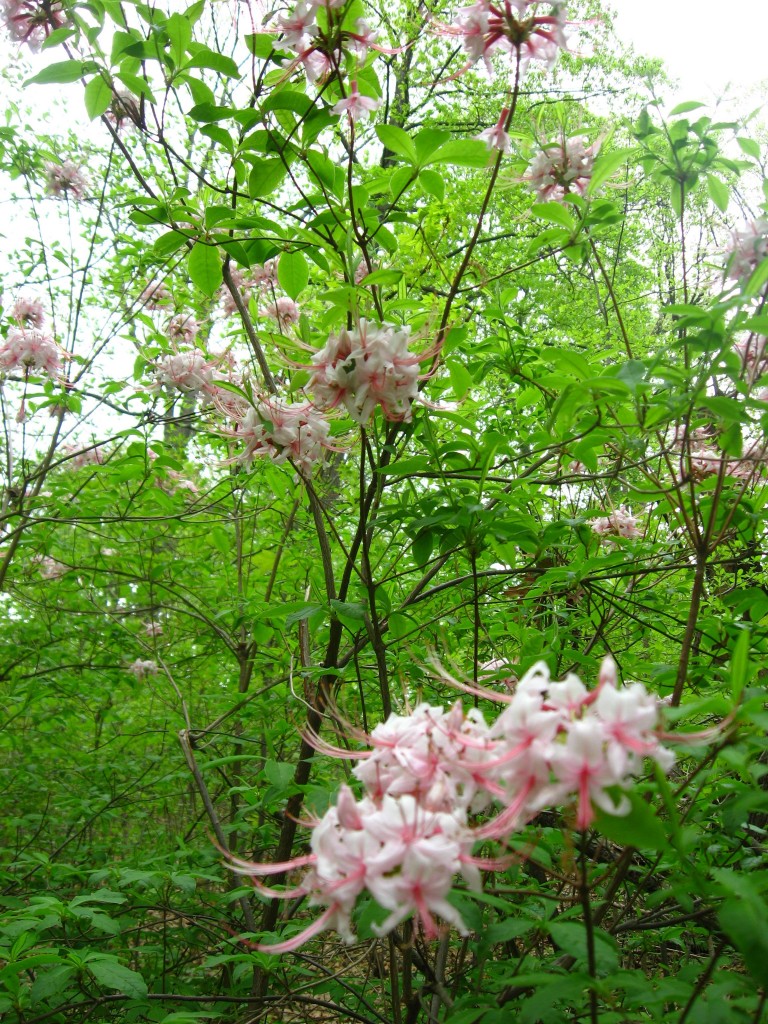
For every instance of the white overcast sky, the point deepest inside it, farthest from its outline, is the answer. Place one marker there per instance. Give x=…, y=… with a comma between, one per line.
x=706, y=44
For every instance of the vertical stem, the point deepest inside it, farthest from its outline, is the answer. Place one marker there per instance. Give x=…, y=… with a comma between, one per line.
x=586, y=906
x=690, y=626
x=394, y=983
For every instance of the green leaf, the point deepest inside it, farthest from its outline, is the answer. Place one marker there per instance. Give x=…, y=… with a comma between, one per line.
x=428, y=141
x=719, y=192
x=422, y=547
x=401, y=625
x=293, y=273
x=265, y=177
x=384, y=276
x=461, y=153
x=461, y=378
x=204, y=266
x=261, y=44
x=750, y=147
x=606, y=165
x=279, y=773
x=758, y=279
x=640, y=828
x=740, y=665
x=746, y=924
x=206, y=58
x=98, y=96
x=571, y=936
x=432, y=183
x=179, y=31
x=57, y=74
x=349, y=610
x=684, y=108
x=112, y=974
x=554, y=212
x=398, y=141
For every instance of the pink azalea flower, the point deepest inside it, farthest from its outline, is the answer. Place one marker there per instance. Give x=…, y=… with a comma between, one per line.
x=749, y=246
x=512, y=27
x=140, y=668
x=80, y=457
x=187, y=371
x=124, y=107
x=65, y=180
x=31, y=351
x=355, y=104
x=284, y=311
x=265, y=277
x=620, y=523
x=155, y=295
x=281, y=432
x=299, y=27
x=562, y=168
x=183, y=328
x=496, y=137
x=50, y=568
x=30, y=21
x=28, y=312
x=366, y=367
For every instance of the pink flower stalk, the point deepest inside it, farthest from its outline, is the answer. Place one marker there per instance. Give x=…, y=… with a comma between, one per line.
x=187, y=371
x=31, y=21
x=281, y=432
x=28, y=312
x=65, y=180
x=356, y=105
x=183, y=328
x=31, y=351
x=366, y=367
x=512, y=27
x=748, y=248
x=140, y=668
x=152, y=629
x=620, y=523
x=562, y=168
x=496, y=137
x=155, y=295
x=284, y=311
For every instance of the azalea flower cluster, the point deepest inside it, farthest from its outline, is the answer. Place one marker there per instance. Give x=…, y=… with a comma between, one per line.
x=561, y=168
x=321, y=49
x=142, y=668
x=408, y=837
x=31, y=21
x=620, y=523
x=30, y=350
x=748, y=248
x=279, y=430
x=188, y=371
x=261, y=279
x=514, y=27
x=364, y=367
x=65, y=180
